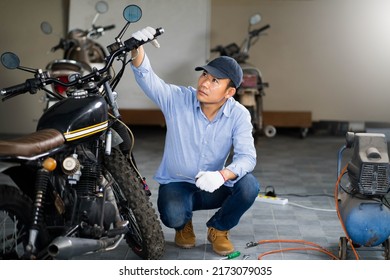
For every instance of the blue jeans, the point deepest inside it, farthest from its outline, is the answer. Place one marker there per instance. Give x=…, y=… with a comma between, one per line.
x=177, y=200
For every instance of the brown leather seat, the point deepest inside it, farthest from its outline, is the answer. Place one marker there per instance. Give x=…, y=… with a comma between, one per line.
x=32, y=144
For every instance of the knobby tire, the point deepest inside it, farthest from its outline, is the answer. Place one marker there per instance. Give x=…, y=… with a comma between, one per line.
x=145, y=236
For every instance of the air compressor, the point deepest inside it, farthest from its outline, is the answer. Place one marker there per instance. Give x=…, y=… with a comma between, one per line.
x=362, y=207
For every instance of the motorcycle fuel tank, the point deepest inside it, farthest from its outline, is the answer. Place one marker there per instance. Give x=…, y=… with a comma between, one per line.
x=76, y=118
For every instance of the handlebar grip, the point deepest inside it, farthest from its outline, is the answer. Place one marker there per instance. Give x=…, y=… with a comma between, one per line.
x=258, y=31
x=133, y=43
x=30, y=85
x=97, y=31
x=55, y=48
x=108, y=27
x=218, y=48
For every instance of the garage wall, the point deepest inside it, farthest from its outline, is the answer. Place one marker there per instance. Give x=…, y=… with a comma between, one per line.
x=183, y=46
x=20, y=33
x=330, y=57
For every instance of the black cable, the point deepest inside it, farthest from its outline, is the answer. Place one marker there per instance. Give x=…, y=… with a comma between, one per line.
x=301, y=195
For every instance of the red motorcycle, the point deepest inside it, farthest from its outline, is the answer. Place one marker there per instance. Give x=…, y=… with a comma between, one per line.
x=251, y=91
x=81, y=52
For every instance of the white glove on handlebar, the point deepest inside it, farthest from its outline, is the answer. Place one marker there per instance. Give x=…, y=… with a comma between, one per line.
x=144, y=34
x=209, y=181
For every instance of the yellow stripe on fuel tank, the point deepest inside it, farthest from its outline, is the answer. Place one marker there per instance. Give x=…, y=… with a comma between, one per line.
x=85, y=131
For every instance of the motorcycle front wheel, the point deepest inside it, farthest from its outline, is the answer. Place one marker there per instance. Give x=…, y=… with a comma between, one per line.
x=145, y=236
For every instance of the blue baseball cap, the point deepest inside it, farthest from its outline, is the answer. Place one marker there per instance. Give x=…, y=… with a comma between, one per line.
x=224, y=67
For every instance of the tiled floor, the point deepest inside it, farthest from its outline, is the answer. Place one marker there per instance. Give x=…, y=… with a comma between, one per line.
x=302, y=170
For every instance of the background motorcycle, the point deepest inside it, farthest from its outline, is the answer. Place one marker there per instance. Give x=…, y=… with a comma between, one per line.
x=72, y=190
x=81, y=51
x=251, y=91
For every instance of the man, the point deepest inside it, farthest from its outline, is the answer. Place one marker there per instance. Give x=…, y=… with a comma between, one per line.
x=203, y=124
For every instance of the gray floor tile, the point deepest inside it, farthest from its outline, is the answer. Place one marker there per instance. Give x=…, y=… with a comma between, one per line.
x=302, y=170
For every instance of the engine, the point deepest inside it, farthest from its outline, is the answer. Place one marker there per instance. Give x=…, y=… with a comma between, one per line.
x=92, y=204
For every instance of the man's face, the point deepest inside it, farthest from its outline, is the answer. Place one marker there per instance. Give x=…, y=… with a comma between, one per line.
x=212, y=90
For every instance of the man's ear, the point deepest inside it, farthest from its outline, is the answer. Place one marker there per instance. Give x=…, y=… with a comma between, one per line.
x=230, y=92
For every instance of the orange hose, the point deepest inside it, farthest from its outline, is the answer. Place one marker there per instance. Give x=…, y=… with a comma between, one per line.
x=336, y=194
x=297, y=249
x=315, y=246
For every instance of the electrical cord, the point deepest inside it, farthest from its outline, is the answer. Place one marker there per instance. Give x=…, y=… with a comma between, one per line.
x=307, y=195
x=269, y=191
x=307, y=207
x=132, y=145
x=311, y=208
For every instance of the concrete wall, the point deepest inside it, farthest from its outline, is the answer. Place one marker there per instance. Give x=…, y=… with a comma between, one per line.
x=330, y=57
x=20, y=33
x=184, y=44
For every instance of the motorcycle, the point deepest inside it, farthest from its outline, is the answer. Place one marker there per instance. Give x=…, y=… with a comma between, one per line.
x=251, y=92
x=74, y=187
x=81, y=52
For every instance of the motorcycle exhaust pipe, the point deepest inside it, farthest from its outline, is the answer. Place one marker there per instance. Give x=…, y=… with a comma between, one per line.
x=63, y=248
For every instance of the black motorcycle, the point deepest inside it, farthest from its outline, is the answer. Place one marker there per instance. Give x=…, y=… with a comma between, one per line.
x=74, y=187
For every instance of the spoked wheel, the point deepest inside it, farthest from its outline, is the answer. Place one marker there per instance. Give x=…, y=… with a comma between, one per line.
x=145, y=236
x=15, y=210
x=343, y=245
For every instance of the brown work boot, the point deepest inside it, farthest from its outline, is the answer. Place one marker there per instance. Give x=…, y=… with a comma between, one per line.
x=220, y=241
x=185, y=238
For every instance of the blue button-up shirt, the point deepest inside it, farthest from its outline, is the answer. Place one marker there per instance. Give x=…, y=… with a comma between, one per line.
x=194, y=143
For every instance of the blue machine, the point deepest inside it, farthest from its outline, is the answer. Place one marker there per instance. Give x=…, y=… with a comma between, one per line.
x=363, y=209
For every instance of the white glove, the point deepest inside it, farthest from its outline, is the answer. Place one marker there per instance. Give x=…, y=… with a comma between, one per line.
x=145, y=34
x=209, y=181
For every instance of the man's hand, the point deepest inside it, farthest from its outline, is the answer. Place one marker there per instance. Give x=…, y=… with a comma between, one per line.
x=145, y=34
x=209, y=181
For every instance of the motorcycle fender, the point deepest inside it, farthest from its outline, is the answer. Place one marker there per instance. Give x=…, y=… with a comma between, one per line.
x=7, y=165
x=5, y=179
x=116, y=139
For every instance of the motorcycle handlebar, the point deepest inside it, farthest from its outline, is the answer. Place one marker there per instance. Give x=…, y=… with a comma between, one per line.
x=218, y=48
x=30, y=85
x=60, y=45
x=108, y=27
x=133, y=43
x=256, y=32
x=55, y=48
x=97, y=31
x=34, y=84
